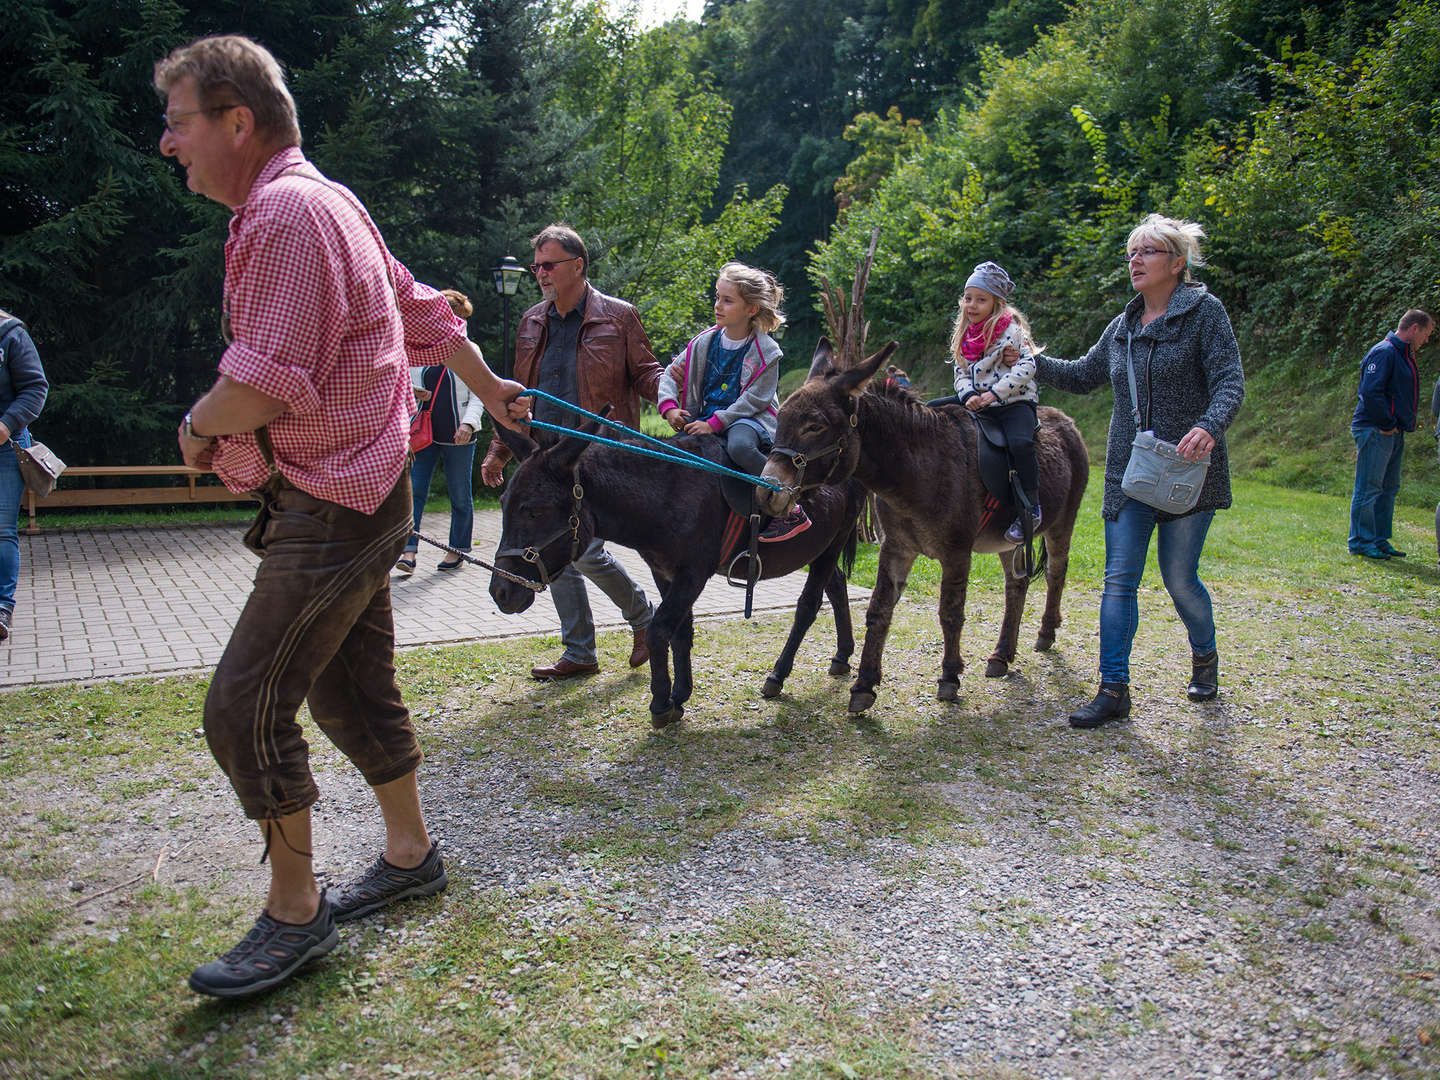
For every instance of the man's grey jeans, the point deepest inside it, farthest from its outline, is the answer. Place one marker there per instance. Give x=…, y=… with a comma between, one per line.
x=572, y=604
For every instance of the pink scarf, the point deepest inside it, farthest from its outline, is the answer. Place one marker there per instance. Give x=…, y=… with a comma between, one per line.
x=975, y=342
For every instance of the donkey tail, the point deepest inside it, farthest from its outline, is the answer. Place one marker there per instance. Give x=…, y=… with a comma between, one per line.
x=847, y=554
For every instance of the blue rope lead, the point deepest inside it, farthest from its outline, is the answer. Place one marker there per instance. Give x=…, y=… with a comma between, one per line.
x=667, y=451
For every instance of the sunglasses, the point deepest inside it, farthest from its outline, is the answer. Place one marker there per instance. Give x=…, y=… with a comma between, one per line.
x=547, y=265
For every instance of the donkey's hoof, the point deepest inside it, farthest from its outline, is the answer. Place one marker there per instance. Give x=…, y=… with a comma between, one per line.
x=947, y=691
x=860, y=700
x=1043, y=642
x=995, y=668
x=839, y=667
x=772, y=687
x=665, y=719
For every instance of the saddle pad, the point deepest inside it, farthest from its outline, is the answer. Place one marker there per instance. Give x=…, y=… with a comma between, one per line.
x=734, y=539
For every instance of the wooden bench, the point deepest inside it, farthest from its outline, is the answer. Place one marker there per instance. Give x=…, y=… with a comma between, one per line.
x=187, y=492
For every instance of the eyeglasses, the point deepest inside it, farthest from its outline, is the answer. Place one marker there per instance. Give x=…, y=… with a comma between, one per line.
x=548, y=265
x=169, y=121
x=1145, y=253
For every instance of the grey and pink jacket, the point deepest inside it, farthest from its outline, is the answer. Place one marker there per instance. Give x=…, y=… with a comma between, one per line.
x=682, y=386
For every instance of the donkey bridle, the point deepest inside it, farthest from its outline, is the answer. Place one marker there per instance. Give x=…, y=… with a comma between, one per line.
x=799, y=459
x=535, y=552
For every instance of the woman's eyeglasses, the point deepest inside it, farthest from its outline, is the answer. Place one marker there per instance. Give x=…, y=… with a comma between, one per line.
x=1145, y=253
x=548, y=265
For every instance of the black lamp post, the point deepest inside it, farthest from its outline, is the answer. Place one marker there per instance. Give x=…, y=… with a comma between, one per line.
x=507, y=280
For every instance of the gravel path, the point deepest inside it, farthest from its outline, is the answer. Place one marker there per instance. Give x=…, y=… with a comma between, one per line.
x=1193, y=894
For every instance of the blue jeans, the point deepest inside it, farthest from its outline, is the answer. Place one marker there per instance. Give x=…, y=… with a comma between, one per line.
x=12, y=488
x=459, y=461
x=1377, y=481
x=1127, y=543
x=572, y=603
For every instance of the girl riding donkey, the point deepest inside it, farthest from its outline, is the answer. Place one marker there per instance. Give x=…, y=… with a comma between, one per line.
x=727, y=380
x=986, y=330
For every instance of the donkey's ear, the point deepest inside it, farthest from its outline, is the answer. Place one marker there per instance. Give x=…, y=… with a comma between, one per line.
x=857, y=378
x=522, y=446
x=824, y=359
x=561, y=457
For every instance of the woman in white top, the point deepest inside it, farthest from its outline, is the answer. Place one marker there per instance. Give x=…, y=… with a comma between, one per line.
x=454, y=418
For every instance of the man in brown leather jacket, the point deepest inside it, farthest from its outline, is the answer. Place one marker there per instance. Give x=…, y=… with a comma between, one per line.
x=590, y=349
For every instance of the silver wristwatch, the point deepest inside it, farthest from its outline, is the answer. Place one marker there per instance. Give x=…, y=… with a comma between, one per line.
x=189, y=432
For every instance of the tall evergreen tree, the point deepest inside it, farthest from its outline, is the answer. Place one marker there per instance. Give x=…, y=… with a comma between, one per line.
x=114, y=264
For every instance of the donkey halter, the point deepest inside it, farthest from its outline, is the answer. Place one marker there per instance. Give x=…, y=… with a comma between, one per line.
x=534, y=553
x=799, y=459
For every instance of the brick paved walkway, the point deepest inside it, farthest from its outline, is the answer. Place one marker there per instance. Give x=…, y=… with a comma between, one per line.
x=124, y=602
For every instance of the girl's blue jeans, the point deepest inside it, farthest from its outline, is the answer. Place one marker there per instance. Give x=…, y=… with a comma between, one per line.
x=459, y=461
x=1127, y=543
x=12, y=488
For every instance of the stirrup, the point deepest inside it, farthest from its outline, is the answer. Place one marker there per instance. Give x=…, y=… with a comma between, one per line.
x=744, y=582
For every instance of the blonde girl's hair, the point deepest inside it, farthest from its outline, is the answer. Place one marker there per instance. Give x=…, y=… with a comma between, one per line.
x=1017, y=317
x=760, y=288
x=1180, y=238
x=459, y=302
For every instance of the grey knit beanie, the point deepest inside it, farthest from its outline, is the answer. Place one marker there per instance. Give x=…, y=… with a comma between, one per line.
x=991, y=277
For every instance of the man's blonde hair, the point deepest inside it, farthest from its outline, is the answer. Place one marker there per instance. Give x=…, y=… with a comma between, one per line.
x=231, y=69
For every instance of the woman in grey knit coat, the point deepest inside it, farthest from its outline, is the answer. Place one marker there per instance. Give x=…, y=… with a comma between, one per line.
x=1189, y=384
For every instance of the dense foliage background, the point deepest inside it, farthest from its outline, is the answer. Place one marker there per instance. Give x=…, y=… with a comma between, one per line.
x=1303, y=137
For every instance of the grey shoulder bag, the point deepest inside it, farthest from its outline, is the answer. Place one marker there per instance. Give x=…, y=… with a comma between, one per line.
x=1157, y=474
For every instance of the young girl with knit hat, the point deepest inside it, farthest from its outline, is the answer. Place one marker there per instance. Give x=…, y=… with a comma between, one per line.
x=985, y=326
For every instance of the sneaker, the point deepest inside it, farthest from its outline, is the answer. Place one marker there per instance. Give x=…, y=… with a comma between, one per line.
x=268, y=955
x=783, y=528
x=4, y=623
x=1015, y=534
x=1369, y=552
x=384, y=884
x=1394, y=553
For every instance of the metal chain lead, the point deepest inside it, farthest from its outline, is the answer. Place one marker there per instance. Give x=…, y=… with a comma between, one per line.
x=533, y=586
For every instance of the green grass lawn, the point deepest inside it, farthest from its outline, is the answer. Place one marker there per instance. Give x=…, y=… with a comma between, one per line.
x=1329, y=707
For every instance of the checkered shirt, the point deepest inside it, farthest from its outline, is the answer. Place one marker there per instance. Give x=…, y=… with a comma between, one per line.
x=314, y=324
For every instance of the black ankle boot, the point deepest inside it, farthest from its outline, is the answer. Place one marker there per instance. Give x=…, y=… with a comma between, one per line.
x=1205, y=676
x=1111, y=703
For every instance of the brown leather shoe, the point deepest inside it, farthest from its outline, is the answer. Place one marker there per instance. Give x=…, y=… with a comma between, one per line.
x=563, y=669
x=641, y=651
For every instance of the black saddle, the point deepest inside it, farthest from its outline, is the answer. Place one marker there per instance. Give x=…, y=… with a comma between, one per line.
x=992, y=456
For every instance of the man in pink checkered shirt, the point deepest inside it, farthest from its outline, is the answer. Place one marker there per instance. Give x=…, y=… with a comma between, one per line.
x=312, y=412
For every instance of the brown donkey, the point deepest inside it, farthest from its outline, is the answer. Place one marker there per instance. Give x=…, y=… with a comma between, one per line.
x=921, y=464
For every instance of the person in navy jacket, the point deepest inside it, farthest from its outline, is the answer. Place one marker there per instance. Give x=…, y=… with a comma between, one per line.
x=1388, y=401
x=23, y=389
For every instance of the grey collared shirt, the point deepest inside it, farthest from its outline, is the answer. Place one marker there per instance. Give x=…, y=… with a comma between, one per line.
x=557, y=365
